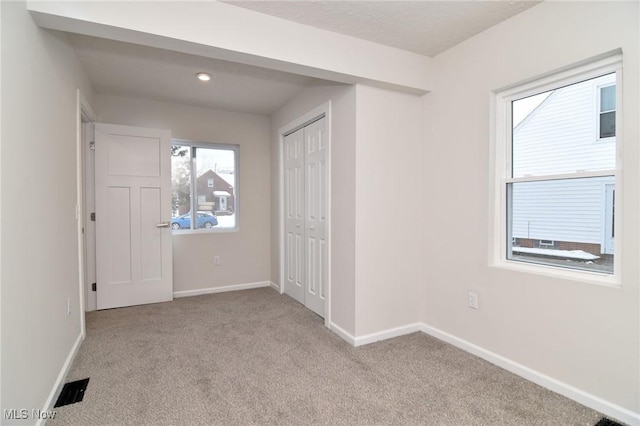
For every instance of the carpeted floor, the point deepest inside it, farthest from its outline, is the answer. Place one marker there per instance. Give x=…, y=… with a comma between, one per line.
x=256, y=357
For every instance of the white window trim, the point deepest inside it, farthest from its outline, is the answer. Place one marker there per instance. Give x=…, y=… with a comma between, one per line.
x=501, y=165
x=599, y=113
x=230, y=147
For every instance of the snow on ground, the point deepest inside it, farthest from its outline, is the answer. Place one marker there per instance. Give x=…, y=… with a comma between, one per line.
x=226, y=221
x=569, y=254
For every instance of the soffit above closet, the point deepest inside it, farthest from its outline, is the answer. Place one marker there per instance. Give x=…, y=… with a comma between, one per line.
x=126, y=69
x=426, y=27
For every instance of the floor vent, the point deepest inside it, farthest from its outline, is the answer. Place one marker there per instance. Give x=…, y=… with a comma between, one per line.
x=606, y=422
x=72, y=392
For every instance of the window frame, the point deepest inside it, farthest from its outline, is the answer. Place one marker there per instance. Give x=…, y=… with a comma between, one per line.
x=501, y=162
x=599, y=112
x=192, y=187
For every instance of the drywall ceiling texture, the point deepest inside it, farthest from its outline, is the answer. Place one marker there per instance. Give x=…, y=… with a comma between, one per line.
x=581, y=334
x=423, y=27
x=222, y=31
x=127, y=69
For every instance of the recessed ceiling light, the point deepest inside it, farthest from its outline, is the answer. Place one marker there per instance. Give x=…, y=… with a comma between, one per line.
x=203, y=76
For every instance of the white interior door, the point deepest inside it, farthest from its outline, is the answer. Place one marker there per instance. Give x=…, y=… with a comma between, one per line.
x=90, y=207
x=315, y=216
x=294, y=214
x=305, y=194
x=133, y=211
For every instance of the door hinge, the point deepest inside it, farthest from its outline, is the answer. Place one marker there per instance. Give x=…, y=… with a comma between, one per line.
x=92, y=217
x=92, y=146
x=93, y=286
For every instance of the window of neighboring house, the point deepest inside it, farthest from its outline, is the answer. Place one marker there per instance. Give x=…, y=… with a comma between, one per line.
x=195, y=202
x=607, y=112
x=552, y=212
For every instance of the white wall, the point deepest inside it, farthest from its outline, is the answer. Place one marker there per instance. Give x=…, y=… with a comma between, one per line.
x=40, y=75
x=388, y=209
x=375, y=247
x=581, y=334
x=244, y=255
x=343, y=149
x=584, y=335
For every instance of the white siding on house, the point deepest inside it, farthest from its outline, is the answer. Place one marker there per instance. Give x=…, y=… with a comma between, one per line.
x=560, y=136
x=565, y=210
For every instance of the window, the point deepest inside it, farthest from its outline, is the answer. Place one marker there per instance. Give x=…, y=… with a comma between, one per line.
x=204, y=186
x=554, y=179
x=607, y=112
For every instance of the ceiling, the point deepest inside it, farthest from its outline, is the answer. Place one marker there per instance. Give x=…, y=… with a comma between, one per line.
x=132, y=70
x=424, y=27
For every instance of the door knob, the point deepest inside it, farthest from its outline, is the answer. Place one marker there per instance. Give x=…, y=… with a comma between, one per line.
x=163, y=224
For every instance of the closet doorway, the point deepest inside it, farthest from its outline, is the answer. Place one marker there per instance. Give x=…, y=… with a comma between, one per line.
x=305, y=191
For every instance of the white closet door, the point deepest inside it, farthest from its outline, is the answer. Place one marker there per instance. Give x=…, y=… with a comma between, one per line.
x=305, y=194
x=315, y=216
x=294, y=214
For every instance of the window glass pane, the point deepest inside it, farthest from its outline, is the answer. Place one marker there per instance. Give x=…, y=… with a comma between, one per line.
x=608, y=124
x=554, y=133
x=215, y=187
x=566, y=222
x=607, y=98
x=180, y=186
x=524, y=108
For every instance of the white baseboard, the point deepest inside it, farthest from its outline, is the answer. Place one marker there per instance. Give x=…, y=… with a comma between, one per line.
x=345, y=335
x=612, y=410
x=62, y=376
x=222, y=289
x=374, y=337
x=387, y=334
x=275, y=286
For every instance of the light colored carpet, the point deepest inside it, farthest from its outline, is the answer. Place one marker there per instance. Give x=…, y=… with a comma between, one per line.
x=256, y=357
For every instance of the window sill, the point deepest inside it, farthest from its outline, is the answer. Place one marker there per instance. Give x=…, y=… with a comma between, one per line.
x=206, y=231
x=587, y=277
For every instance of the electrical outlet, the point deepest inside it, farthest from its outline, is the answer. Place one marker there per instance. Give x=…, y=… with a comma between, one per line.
x=216, y=260
x=473, y=300
x=68, y=307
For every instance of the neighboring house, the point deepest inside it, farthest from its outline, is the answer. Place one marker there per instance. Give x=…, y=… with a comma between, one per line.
x=214, y=193
x=574, y=214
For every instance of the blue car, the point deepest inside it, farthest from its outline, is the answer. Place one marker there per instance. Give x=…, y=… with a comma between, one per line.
x=203, y=220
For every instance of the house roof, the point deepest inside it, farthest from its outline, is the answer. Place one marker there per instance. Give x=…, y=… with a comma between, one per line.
x=211, y=174
x=535, y=110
